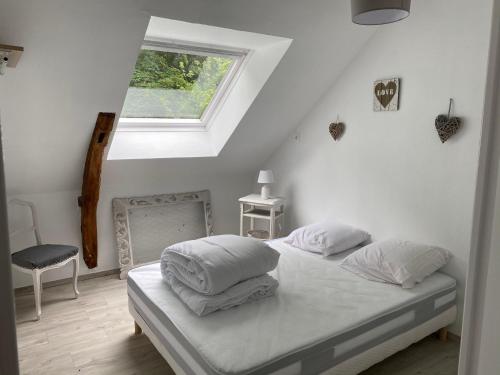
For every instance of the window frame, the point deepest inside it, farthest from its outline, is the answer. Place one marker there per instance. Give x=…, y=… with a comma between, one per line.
x=223, y=90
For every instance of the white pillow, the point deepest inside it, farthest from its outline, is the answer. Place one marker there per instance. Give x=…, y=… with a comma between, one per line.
x=395, y=261
x=327, y=237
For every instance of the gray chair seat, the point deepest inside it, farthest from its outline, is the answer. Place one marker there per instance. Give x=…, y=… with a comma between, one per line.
x=42, y=256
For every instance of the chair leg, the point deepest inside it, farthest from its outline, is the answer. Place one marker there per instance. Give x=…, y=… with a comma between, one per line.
x=37, y=287
x=76, y=267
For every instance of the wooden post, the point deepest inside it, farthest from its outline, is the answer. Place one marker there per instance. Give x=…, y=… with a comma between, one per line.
x=443, y=334
x=91, y=185
x=137, y=329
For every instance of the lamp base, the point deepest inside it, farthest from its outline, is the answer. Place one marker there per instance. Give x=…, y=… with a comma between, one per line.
x=265, y=192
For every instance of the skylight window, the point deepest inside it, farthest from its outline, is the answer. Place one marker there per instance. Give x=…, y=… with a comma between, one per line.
x=178, y=86
x=187, y=97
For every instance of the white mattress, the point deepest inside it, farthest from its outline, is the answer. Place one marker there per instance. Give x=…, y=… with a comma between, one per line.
x=316, y=301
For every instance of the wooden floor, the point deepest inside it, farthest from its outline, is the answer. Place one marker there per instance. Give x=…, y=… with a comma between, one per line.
x=94, y=335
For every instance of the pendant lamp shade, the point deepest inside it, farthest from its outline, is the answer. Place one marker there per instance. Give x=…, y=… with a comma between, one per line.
x=379, y=12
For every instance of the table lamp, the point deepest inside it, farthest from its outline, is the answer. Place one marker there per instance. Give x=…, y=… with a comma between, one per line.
x=266, y=178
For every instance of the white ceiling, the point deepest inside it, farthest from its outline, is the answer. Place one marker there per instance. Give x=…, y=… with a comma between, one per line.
x=80, y=54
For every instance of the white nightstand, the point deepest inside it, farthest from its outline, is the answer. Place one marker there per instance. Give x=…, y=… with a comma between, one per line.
x=254, y=207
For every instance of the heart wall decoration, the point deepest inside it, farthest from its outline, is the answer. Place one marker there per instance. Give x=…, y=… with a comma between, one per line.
x=447, y=126
x=336, y=130
x=386, y=95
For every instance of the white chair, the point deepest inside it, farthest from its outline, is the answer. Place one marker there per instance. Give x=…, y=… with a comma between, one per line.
x=40, y=258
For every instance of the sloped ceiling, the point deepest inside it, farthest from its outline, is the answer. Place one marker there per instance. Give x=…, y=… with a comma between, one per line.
x=79, y=57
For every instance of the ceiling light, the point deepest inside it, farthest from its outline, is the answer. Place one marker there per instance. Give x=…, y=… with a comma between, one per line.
x=9, y=56
x=3, y=65
x=379, y=12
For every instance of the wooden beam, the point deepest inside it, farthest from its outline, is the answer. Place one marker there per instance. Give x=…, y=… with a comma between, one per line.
x=91, y=185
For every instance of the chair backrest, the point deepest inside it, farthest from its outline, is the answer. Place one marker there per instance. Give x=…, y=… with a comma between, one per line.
x=34, y=220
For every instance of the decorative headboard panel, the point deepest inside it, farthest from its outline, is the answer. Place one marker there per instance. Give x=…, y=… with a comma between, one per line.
x=144, y=226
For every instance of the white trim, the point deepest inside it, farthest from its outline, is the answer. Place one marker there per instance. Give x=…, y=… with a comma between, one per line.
x=484, y=210
x=158, y=125
x=191, y=47
x=223, y=90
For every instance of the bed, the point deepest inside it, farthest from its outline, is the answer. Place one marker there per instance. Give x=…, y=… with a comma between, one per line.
x=322, y=320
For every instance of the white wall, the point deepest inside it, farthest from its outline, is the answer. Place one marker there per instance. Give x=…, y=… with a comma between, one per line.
x=78, y=59
x=389, y=173
x=60, y=216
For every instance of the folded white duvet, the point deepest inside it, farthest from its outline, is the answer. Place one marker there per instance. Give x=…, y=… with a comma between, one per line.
x=211, y=265
x=246, y=291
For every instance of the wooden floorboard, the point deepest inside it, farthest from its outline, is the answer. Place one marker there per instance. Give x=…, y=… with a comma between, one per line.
x=95, y=335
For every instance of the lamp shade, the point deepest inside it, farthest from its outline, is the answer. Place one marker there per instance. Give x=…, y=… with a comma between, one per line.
x=266, y=177
x=379, y=12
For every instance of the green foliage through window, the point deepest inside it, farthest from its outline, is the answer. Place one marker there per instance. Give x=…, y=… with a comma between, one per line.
x=174, y=85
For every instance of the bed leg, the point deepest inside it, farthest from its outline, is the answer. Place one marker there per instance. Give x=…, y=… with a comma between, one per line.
x=443, y=334
x=138, y=329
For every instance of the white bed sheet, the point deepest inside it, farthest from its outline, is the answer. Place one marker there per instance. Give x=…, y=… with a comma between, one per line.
x=316, y=300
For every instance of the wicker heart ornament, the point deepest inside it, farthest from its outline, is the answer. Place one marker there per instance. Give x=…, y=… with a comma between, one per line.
x=447, y=126
x=336, y=130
